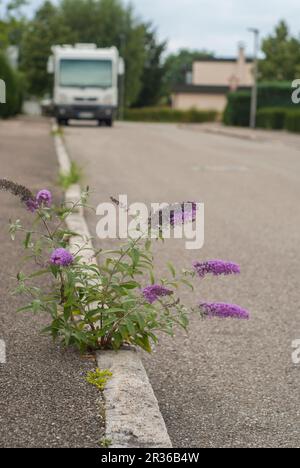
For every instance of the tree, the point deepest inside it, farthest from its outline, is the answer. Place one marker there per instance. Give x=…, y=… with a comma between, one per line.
x=46, y=29
x=178, y=64
x=153, y=70
x=103, y=22
x=13, y=89
x=13, y=25
x=109, y=23
x=282, y=55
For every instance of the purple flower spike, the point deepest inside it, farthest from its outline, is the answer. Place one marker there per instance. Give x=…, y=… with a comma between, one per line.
x=31, y=205
x=153, y=292
x=216, y=267
x=218, y=309
x=61, y=257
x=184, y=213
x=44, y=197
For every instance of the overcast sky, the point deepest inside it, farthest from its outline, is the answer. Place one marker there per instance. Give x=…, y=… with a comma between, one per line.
x=216, y=25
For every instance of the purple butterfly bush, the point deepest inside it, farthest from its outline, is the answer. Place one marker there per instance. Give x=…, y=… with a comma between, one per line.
x=174, y=214
x=61, y=257
x=216, y=267
x=185, y=213
x=44, y=198
x=153, y=292
x=31, y=205
x=221, y=310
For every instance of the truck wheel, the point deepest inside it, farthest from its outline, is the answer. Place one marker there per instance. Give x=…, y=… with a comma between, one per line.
x=109, y=122
x=62, y=122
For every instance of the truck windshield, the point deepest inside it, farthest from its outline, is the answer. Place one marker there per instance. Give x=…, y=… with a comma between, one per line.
x=86, y=73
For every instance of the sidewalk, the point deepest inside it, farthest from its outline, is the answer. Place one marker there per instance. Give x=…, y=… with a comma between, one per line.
x=44, y=399
x=243, y=133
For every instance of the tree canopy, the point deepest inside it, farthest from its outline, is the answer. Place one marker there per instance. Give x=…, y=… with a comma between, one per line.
x=103, y=22
x=282, y=55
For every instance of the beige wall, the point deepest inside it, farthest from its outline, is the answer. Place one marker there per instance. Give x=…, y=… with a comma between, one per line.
x=186, y=101
x=237, y=73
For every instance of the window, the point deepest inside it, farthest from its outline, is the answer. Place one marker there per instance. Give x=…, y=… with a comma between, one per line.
x=86, y=73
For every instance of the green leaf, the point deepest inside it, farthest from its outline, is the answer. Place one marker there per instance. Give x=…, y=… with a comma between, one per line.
x=187, y=283
x=152, y=277
x=27, y=240
x=143, y=343
x=172, y=269
x=135, y=255
x=38, y=273
x=130, y=285
x=130, y=327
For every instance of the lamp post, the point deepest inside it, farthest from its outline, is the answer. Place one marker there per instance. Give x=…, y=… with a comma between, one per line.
x=255, y=76
x=122, y=78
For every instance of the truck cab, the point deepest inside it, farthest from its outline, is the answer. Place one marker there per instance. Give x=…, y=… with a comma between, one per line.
x=85, y=82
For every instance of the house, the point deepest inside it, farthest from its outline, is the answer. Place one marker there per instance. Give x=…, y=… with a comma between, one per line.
x=210, y=81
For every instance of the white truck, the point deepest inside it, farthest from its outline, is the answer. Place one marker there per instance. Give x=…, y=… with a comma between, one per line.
x=85, y=82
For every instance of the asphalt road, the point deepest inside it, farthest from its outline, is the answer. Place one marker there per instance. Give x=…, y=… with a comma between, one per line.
x=228, y=383
x=44, y=399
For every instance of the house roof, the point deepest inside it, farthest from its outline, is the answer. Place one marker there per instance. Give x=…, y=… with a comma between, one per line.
x=222, y=59
x=205, y=89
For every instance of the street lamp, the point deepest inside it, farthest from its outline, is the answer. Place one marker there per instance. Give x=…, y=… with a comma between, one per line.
x=255, y=75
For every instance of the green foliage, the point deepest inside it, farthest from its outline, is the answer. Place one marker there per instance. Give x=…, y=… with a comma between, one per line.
x=74, y=177
x=237, y=111
x=45, y=30
x=96, y=306
x=99, y=378
x=104, y=304
x=13, y=24
x=158, y=114
x=105, y=443
x=270, y=94
x=272, y=118
x=14, y=87
x=292, y=121
x=177, y=64
x=279, y=118
x=282, y=55
x=104, y=22
x=108, y=23
x=153, y=71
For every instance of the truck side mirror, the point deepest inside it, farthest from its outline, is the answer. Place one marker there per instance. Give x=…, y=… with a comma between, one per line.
x=121, y=70
x=50, y=65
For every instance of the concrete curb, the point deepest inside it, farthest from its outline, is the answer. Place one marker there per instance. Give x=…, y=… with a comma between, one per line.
x=133, y=418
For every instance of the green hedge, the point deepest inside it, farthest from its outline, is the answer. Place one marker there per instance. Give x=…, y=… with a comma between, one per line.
x=157, y=114
x=271, y=118
x=237, y=111
x=292, y=121
x=14, y=87
x=279, y=119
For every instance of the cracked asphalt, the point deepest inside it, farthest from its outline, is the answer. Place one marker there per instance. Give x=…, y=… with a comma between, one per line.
x=228, y=383
x=44, y=399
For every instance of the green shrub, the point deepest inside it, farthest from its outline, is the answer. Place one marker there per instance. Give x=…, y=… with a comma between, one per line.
x=118, y=298
x=14, y=86
x=292, y=121
x=237, y=111
x=271, y=118
x=158, y=114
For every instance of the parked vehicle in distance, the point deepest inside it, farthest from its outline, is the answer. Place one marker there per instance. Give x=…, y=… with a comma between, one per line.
x=86, y=82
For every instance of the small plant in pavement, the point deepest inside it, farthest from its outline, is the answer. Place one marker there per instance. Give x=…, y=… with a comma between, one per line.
x=99, y=378
x=119, y=300
x=73, y=177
